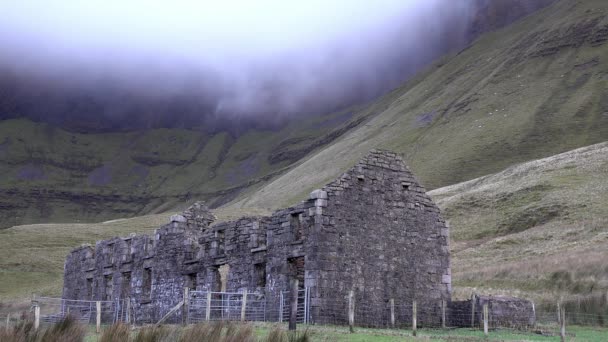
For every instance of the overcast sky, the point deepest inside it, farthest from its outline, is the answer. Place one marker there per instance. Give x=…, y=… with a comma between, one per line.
x=264, y=55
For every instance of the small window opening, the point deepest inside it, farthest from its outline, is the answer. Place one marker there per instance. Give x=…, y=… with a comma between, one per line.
x=296, y=226
x=108, y=288
x=191, y=281
x=125, y=290
x=149, y=245
x=147, y=282
x=110, y=254
x=260, y=275
x=220, y=242
x=297, y=270
x=90, y=288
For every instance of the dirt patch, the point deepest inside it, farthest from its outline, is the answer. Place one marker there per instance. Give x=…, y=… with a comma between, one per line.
x=425, y=119
x=100, y=176
x=31, y=172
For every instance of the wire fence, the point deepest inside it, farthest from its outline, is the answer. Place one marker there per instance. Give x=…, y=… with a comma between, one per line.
x=432, y=315
x=53, y=310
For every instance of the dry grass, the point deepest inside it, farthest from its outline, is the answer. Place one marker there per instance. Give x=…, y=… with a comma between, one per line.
x=561, y=256
x=67, y=330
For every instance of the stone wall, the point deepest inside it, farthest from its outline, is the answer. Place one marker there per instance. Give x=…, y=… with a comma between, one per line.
x=382, y=237
x=373, y=231
x=503, y=311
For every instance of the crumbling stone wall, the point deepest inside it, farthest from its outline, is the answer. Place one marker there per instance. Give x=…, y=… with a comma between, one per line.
x=373, y=231
x=503, y=311
x=382, y=237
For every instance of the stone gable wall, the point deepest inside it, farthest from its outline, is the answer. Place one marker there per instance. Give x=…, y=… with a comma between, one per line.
x=383, y=238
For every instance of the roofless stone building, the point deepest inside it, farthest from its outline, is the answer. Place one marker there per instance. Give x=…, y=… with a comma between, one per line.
x=373, y=231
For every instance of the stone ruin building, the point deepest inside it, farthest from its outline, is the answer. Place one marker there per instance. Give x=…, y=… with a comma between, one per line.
x=373, y=230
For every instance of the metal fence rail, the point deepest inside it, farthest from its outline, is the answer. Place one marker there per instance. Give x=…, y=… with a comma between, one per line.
x=438, y=316
x=53, y=310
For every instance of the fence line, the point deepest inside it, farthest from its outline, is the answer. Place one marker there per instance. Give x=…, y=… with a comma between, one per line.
x=205, y=306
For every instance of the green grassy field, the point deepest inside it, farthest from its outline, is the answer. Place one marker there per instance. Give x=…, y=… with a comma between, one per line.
x=338, y=333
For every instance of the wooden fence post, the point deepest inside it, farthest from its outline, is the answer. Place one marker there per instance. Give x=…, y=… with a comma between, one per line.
x=8, y=321
x=414, y=318
x=208, y=308
x=559, y=313
x=128, y=317
x=36, y=317
x=98, y=314
x=186, y=300
x=293, y=312
x=562, y=332
x=243, y=305
x=473, y=310
x=443, y=307
x=392, y=304
x=351, y=311
x=485, y=319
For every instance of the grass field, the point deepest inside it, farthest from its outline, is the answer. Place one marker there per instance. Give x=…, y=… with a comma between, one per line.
x=337, y=333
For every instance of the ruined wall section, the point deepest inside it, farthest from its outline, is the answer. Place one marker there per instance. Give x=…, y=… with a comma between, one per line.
x=382, y=237
x=148, y=269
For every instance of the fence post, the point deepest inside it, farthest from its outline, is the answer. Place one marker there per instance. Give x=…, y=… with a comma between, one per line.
x=8, y=321
x=485, y=319
x=128, y=309
x=243, y=305
x=98, y=319
x=293, y=312
x=414, y=318
x=559, y=313
x=281, y=309
x=208, y=308
x=36, y=316
x=392, y=304
x=563, y=325
x=185, y=306
x=443, y=306
x=351, y=311
x=473, y=310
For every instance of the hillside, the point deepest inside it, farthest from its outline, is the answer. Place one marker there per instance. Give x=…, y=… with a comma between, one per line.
x=537, y=229
x=97, y=152
x=530, y=90
x=54, y=175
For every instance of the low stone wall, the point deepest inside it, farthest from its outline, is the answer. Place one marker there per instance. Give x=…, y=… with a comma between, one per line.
x=503, y=311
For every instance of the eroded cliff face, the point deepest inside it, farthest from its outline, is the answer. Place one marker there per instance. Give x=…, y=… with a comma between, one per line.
x=490, y=15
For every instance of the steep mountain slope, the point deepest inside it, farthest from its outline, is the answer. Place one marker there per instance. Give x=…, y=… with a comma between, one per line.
x=538, y=230
x=53, y=175
x=533, y=89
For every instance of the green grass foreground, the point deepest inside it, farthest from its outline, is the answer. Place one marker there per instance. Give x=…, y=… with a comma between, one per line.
x=266, y=332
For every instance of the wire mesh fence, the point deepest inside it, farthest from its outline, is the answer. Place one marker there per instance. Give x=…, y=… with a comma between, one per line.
x=437, y=316
x=53, y=310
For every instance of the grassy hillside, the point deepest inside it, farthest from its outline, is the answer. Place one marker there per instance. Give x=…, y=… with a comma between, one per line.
x=539, y=229
x=52, y=175
x=531, y=90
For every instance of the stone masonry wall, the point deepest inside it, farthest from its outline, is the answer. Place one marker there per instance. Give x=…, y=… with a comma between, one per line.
x=373, y=231
x=383, y=238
